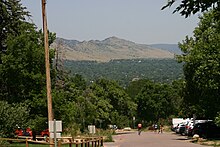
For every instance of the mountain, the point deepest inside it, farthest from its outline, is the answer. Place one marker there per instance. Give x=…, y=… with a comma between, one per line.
x=108, y=49
x=173, y=48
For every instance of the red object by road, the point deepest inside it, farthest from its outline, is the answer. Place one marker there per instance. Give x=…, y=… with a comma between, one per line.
x=45, y=133
x=19, y=132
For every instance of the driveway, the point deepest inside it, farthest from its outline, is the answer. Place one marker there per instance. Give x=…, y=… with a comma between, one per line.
x=150, y=139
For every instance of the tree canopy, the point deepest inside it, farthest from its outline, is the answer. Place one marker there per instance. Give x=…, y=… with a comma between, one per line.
x=155, y=101
x=202, y=69
x=12, y=19
x=22, y=67
x=188, y=7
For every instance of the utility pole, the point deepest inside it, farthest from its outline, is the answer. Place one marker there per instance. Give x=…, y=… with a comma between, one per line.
x=47, y=64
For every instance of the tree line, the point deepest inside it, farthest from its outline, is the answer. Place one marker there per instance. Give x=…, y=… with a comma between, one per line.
x=126, y=70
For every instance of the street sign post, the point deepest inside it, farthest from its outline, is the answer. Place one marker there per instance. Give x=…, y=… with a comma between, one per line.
x=55, y=129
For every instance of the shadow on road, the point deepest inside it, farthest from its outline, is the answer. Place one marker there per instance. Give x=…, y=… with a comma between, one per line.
x=181, y=139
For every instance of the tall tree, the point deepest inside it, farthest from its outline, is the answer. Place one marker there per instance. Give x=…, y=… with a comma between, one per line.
x=14, y=56
x=202, y=69
x=22, y=67
x=12, y=17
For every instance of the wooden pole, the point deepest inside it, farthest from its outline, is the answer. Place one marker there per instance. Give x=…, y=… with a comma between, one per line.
x=59, y=143
x=101, y=141
x=26, y=142
x=47, y=64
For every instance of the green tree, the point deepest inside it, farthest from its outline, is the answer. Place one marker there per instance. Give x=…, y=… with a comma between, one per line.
x=112, y=101
x=202, y=69
x=22, y=66
x=22, y=69
x=178, y=87
x=12, y=116
x=12, y=18
x=135, y=87
x=155, y=101
x=188, y=7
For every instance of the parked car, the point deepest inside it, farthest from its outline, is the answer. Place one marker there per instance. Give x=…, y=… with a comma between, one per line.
x=127, y=129
x=29, y=132
x=190, y=125
x=188, y=128
x=19, y=132
x=45, y=133
x=181, y=128
x=22, y=132
x=113, y=127
x=206, y=129
x=176, y=121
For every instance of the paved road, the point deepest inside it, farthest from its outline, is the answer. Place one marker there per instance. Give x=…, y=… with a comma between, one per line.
x=150, y=139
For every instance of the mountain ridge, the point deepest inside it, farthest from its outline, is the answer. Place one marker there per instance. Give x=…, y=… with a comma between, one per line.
x=111, y=48
x=174, y=48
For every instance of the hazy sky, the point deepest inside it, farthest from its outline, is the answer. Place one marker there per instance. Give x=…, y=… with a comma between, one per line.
x=140, y=21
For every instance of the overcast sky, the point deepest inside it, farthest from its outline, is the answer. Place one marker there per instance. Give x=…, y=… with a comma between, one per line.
x=140, y=21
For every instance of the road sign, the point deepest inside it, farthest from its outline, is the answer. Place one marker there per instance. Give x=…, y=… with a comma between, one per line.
x=58, y=126
x=58, y=135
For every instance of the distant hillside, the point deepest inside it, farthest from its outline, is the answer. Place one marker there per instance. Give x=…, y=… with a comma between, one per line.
x=124, y=71
x=173, y=48
x=112, y=48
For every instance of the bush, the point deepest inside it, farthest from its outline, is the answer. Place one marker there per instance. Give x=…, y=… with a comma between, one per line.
x=11, y=116
x=107, y=134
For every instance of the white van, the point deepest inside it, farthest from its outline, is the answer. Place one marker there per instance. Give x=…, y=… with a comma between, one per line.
x=176, y=121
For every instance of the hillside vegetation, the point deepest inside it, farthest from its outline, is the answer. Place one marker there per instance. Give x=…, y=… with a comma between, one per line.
x=124, y=71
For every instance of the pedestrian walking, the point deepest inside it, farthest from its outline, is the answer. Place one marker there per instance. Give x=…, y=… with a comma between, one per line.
x=155, y=127
x=160, y=129
x=139, y=128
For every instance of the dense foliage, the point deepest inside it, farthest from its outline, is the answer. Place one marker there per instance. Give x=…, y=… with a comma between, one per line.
x=22, y=67
x=124, y=71
x=11, y=116
x=116, y=92
x=188, y=7
x=202, y=68
x=156, y=101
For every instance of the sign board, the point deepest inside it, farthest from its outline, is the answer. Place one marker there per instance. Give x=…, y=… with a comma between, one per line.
x=133, y=118
x=58, y=126
x=58, y=135
x=91, y=129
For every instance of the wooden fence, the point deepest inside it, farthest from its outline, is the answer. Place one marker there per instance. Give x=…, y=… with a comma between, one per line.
x=78, y=142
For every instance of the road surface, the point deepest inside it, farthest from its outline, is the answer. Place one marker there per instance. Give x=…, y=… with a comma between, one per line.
x=150, y=139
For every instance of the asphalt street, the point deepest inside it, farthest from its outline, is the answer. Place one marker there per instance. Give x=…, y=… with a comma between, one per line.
x=150, y=139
